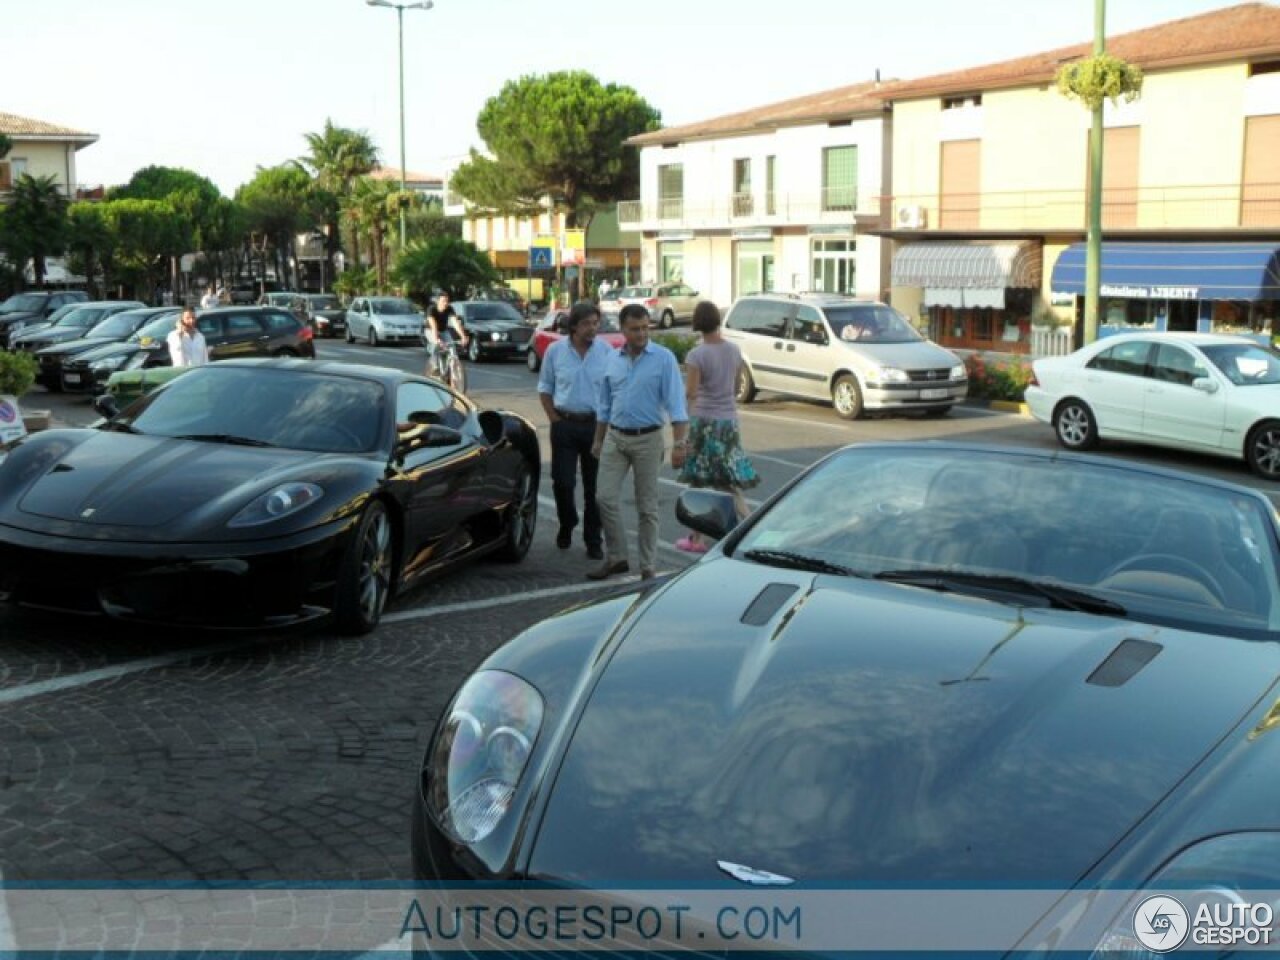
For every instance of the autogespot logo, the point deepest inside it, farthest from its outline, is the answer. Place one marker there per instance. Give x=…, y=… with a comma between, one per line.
x=1161, y=923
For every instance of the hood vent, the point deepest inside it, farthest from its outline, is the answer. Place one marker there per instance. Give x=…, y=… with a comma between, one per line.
x=768, y=602
x=1124, y=662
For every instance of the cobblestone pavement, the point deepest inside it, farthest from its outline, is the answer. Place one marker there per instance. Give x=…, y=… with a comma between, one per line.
x=131, y=754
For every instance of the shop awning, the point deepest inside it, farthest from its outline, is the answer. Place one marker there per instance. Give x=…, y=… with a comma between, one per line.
x=965, y=265
x=1176, y=271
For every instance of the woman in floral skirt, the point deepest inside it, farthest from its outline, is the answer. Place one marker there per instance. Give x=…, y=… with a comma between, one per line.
x=715, y=457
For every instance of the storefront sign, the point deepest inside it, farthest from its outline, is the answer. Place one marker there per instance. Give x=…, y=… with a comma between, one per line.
x=1057, y=299
x=1132, y=292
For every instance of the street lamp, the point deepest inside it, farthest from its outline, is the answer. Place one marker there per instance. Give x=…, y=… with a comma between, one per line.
x=400, y=8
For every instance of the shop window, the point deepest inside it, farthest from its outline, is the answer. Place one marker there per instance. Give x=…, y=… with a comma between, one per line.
x=671, y=254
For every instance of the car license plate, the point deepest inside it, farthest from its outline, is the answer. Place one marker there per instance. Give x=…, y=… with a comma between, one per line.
x=934, y=394
x=71, y=377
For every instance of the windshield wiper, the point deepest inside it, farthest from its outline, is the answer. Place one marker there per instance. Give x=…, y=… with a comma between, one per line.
x=799, y=561
x=120, y=427
x=225, y=438
x=1064, y=598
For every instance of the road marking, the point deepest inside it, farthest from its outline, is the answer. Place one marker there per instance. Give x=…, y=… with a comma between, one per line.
x=957, y=413
x=468, y=606
x=662, y=545
x=785, y=463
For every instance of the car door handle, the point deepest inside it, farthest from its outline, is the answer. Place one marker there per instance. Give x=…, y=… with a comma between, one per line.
x=777, y=345
x=791, y=348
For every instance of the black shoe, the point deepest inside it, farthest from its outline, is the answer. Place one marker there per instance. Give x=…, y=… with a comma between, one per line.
x=608, y=570
x=595, y=551
x=564, y=538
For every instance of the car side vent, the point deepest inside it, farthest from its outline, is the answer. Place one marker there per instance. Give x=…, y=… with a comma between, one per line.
x=1124, y=662
x=768, y=602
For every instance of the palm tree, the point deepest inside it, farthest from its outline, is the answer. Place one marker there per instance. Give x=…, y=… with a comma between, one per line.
x=372, y=205
x=337, y=157
x=36, y=221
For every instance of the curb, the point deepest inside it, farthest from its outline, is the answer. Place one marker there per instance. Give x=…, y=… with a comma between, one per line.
x=1011, y=406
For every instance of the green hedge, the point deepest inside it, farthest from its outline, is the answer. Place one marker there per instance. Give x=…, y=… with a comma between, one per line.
x=17, y=373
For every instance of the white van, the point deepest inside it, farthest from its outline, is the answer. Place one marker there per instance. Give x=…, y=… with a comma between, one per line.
x=859, y=354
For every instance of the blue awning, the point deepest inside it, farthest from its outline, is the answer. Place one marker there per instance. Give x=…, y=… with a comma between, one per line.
x=1176, y=271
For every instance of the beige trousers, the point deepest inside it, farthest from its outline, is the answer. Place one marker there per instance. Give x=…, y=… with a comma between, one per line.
x=643, y=456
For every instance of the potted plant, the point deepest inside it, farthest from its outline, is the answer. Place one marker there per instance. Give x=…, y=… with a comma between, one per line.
x=17, y=374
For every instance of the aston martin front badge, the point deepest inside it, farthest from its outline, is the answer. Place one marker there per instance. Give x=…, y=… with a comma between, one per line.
x=757, y=878
x=86, y=514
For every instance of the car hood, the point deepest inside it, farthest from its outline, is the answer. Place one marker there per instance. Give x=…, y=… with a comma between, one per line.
x=19, y=316
x=106, y=481
x=76, y=346
x=904, y=356
x=31, y=322
x=337, y=313
x=114, y=348
x=496, y=324
x=50, y=335
x=875, y=733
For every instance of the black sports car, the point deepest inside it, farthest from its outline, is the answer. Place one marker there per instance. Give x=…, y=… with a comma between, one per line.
x=496, y=330
x=943, y=666
x=254, y=492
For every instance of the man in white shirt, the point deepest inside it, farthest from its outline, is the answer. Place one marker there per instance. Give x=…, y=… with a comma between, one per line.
x=210, y=299
x=187, y=347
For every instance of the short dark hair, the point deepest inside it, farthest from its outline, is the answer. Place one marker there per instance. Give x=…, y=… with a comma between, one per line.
x=632, y=311
x=706, y=317
x=581, y=311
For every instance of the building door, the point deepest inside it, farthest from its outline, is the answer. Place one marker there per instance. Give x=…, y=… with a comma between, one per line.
x=833, y=266
x=754, y=273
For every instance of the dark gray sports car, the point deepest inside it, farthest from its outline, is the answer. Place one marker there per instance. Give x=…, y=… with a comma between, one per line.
x=917, y=666
x=261, y=492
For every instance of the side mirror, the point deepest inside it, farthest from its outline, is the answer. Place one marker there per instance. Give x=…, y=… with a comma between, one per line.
x=105, y=406
x=707, y=511
x=1205, y=384
x=423, y=436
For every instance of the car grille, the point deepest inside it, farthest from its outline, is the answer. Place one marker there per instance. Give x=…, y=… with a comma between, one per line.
x=520, y=335
x=47, y=362
x=929, y=376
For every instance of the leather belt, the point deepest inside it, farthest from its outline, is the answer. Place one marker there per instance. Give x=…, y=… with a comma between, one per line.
x=572, y=415
x=637, y=431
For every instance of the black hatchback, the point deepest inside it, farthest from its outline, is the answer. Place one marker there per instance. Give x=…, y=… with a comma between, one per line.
x=229, y=332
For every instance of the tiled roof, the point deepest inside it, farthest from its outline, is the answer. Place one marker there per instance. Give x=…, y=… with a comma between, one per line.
x=835, y=104
x=393, y=173
x=15, y=126
x=1249, y=31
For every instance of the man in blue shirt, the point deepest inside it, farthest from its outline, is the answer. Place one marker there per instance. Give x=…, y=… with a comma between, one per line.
x=572, y=371
x=641, y=389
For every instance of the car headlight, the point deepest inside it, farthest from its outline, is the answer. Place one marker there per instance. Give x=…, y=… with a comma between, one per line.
x=958, y=372
x=480, y=752
x=107, y=363
x=1222, y=878
x=890, y=375
x=283, y=500
x=495, y=336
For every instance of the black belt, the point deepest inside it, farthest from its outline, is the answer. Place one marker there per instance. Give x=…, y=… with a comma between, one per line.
x=637, y=431
x=571, y=415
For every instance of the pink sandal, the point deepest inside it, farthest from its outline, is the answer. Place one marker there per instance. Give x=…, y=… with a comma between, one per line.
x=689, y=545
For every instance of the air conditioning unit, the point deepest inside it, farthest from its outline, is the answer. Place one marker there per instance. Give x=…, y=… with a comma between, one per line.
x=909, y=216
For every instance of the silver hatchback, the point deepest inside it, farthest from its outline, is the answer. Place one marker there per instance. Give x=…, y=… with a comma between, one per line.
x=859, y=354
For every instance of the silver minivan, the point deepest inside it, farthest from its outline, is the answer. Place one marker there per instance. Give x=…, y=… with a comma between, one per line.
x=859, y=354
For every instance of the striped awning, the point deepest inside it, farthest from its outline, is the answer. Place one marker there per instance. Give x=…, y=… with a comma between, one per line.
x=988, y=265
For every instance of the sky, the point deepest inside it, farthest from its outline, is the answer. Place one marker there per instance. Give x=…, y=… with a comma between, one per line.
x=224, y=87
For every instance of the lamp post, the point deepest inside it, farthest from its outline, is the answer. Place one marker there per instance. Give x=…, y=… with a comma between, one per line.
x=400, y=8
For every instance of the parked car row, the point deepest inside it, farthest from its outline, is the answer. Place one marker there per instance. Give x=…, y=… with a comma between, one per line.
x=32, y=307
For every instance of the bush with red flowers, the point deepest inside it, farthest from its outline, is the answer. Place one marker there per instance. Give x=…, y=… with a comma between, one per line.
x=1005, y=378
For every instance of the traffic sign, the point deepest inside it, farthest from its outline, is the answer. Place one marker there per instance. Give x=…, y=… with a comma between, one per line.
x=541, y=258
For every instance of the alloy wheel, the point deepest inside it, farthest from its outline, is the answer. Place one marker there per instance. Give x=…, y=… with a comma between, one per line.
x=375, y=568
x=1264, y=451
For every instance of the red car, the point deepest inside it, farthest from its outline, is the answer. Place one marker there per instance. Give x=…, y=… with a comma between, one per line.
x=552, y=327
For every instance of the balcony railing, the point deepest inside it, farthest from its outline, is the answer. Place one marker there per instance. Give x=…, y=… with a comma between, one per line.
x=824, y=206
x=743, y=205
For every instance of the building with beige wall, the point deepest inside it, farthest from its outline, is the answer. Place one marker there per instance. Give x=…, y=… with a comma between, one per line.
x=989, y=174
x=41, y=149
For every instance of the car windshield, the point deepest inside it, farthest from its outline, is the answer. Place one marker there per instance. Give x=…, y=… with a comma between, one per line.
x=116, y=325
x=494, y=310
x=324, y=303
x=392, y=305
x=1166, y=549
x=263, y=406
x=871, y=323
x=1245, y=364
x=22, y=302
x=157, y=329
x=81, y=317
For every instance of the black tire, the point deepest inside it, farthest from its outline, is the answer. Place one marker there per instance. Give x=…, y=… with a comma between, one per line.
x=521, y=519
x=285, y=352
x=364, y=575
x=667, y=320
x=744, y=386
x=532, y=360
x=473, y=350
x=846, y=397
x=372, y=336
x=1262, y=450
x=1074, y=425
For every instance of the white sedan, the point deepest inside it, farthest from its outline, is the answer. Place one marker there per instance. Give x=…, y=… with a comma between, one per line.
x=381, y=319
x=1209, y=393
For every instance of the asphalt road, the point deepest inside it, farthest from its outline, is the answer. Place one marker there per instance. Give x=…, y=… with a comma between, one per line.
x=143, y=755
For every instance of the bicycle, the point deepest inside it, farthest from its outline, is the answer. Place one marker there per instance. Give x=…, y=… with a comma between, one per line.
x=448, y=365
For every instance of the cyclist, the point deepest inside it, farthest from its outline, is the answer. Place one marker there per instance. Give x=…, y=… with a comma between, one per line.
x=442, y=324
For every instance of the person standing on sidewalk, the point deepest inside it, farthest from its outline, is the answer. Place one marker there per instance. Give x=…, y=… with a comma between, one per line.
x=572, y=371
x=715, y=458
x=641, y=389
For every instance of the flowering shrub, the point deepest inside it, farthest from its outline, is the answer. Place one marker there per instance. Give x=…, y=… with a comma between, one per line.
x=1004, y=379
